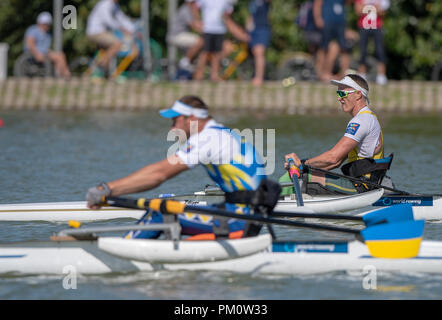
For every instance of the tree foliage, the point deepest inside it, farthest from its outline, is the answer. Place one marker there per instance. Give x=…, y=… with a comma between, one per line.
x=413, y=30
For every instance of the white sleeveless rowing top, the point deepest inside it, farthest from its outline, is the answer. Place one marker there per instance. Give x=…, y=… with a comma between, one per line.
x=366, y=130
x=230, y=161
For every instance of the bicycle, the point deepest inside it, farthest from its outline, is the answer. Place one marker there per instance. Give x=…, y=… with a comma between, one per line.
x=300, y=66
x=237, y=63
x=242, y=64
x=128, y=63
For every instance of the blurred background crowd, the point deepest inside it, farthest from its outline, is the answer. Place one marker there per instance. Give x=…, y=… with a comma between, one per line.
x=253, y=40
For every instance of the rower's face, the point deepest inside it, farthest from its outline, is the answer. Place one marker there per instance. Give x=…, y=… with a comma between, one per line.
x=349, y=102
x=181, y=123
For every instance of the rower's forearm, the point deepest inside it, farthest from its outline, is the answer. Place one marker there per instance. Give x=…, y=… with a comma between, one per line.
x=143, y=180
x=325, y=161
x=126, y=186
x=321, y=164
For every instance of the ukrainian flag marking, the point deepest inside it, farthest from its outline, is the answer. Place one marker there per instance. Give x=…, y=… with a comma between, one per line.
x=394, y=240
x=394, y=249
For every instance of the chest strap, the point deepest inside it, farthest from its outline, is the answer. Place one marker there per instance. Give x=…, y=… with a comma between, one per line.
x=266, y=195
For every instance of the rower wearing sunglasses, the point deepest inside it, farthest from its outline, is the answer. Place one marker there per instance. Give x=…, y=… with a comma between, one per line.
x=362, y=146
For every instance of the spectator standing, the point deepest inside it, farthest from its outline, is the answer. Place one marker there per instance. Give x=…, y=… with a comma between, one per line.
x=330, y=17
x=260, y=32
x=185, y=33
x=312, y=34
x=105, y=18
x=214, y=14
x=38, y=43
x=370, y=25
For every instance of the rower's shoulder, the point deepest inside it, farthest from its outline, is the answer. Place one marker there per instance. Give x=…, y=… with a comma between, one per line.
x=365, y=115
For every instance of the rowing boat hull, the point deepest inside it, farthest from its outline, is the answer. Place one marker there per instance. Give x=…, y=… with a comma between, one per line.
x=332, y=204
x=65, y=211
x=425, y=207
x=288, y=258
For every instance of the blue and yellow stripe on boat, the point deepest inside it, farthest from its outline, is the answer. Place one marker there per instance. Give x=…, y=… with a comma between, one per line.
x=394, y=240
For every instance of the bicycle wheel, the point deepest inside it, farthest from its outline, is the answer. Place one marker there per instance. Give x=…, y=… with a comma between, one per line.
x=79, y=65
x=372, y=70
x=436, y=74
x=26, y=66
x=246, y=70
x=270, y=72
x=157, y=63
x=300, y=66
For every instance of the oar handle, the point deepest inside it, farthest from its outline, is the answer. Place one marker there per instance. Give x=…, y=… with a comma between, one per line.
x=293, y=169
x=294, y=174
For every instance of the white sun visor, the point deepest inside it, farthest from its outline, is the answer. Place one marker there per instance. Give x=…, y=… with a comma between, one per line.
x=182, y=109
x=349, y=82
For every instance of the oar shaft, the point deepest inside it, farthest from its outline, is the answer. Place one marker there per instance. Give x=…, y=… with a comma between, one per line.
x=316, y=215
x=228, y=214
x=373, y=184
x=124, y=203
x=144, y=204
x=134, y=204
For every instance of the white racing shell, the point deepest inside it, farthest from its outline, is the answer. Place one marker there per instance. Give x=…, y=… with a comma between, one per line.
x=77, y=210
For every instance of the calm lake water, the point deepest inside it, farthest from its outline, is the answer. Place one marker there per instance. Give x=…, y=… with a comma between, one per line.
x=57, y=156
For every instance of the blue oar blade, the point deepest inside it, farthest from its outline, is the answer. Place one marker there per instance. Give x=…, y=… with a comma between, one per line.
x=397, y=240
x=395, y=213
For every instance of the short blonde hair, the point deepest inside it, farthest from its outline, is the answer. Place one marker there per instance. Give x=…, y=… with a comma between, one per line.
x=359, y=80
x=194, y=101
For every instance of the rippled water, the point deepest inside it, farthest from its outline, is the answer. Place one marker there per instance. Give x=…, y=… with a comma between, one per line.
x=57, y=156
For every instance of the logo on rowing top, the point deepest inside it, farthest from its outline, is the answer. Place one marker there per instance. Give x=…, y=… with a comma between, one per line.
x=189, y=147
x=352, y=128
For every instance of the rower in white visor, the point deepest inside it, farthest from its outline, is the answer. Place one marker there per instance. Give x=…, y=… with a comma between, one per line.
x=362, y=145
x=230, y=162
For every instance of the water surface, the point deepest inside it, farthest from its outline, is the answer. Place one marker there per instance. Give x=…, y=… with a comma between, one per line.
x=57, y=156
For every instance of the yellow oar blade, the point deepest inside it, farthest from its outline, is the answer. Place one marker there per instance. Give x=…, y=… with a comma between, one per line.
x=394, y=249
x=399, y=240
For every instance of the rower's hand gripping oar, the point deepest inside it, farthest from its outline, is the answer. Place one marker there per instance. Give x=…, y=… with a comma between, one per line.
x=294, y=174
x=390, y=232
